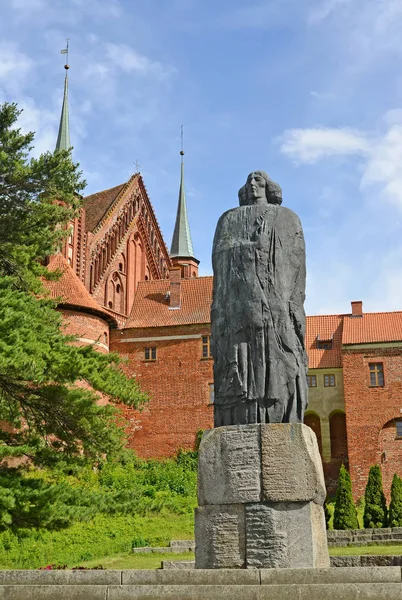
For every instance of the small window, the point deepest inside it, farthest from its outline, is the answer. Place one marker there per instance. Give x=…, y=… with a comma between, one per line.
x=206, y=346
x=329, y=380
x=120, y=266
x=212, y=394
x=376, y=375
x=324, y=344
x=398, y=425
x=110, y=304
x=150, y=353
x=312, y=381
x=105, y=337
x=118, y=288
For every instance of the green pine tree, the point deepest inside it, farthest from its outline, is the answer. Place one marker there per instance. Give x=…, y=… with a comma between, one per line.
x=395, y=507
x=48, y=415
x=375, y=509
x=345, y=514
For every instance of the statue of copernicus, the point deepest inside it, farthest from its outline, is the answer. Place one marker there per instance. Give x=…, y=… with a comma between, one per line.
x=257, y=316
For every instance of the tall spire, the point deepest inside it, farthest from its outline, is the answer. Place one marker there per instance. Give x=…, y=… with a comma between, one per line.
x=63, y=139
x=182, y=246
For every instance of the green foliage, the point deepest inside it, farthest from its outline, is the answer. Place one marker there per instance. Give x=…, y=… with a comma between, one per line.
x=395, y=507
x=375, y=510
x=49, y=416
x=327, y=514
x=102, y=536
x=67, y=515
x=345, y=515
x=55, y=498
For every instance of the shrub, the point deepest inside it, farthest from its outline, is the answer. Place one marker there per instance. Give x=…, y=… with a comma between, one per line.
x=327, y=514
x=395, y=507
x=375, y=510
x=345, y=514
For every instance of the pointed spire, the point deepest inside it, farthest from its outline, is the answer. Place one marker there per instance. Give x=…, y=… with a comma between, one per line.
x=182, y=245
x=63, y=139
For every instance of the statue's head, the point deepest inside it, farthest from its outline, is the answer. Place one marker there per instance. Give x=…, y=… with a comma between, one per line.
x=259, y=189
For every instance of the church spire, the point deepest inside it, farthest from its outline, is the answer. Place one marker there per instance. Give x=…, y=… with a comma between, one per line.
x=63, y=139
x=181, y=251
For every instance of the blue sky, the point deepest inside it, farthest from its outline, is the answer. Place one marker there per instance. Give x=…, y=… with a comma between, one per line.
x=308, y=90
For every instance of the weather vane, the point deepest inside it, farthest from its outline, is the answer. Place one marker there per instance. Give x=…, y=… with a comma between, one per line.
x=181, y=138
x=65, y=51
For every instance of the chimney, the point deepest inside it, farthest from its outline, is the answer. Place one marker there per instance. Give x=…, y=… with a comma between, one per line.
x=357, y=308
x=175, y=287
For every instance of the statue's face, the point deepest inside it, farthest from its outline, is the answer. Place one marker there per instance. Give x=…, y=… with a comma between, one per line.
x=256, y=188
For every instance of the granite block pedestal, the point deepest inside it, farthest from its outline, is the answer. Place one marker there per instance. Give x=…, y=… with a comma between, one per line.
x=260, y=498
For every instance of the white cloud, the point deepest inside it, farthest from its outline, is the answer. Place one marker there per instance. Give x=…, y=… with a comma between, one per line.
x=384, y=165
x=43, y=122
x=129, y=60
x=28, y=6
x=310, y=145
x=324, y=8
x=14, y=68
x=380, y=155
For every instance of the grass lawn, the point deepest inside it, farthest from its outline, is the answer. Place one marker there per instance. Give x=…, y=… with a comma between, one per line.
x=358, y=550
x=153, y=561
x=136, y=561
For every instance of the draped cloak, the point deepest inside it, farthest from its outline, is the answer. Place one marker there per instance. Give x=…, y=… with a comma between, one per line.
x=257, y=316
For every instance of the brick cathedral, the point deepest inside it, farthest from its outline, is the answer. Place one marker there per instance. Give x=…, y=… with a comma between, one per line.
x=123, y=290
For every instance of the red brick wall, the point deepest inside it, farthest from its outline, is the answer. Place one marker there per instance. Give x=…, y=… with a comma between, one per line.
x=87, y=327
x=178, y=385
x=368, y=409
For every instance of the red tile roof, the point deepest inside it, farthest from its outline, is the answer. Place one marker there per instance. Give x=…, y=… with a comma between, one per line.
x=97, y=205
x=325, y=327
x=151, y=308
x=373, y=327
x=71, y=290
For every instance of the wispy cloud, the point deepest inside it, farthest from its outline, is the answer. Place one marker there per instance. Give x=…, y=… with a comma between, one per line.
x=129, y=60
x=380, y=154
x=60, y=11
x=263, y=15
x=14, y=68
x=324, y=8
x=310, y=145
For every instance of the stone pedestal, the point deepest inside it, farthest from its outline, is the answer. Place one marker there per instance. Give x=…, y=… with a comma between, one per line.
x=260, y=498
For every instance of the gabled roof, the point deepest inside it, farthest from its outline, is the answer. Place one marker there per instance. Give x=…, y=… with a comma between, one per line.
x=71, y=291
x=151, y=307
x=372, y=328
x=97, y=205
x=324, y=327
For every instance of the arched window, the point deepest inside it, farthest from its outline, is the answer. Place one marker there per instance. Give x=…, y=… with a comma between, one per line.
x=313, y=421
x=118, y=288
x=110, y=304
x=337, y=429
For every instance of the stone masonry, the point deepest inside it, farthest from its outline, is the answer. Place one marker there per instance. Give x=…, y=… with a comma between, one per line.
x=260, y=498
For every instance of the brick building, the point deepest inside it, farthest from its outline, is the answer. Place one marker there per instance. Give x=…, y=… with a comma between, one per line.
x=122, y=290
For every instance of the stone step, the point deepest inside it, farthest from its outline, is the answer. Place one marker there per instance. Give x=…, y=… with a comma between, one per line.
x=334, y=591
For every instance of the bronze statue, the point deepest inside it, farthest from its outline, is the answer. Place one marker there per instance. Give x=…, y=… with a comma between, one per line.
x=257, y=316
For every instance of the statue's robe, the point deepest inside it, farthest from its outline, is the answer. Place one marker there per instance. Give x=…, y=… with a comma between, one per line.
x=257, y=316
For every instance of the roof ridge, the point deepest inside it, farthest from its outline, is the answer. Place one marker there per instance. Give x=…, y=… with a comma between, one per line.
x=113, y=204
x=106, y=190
